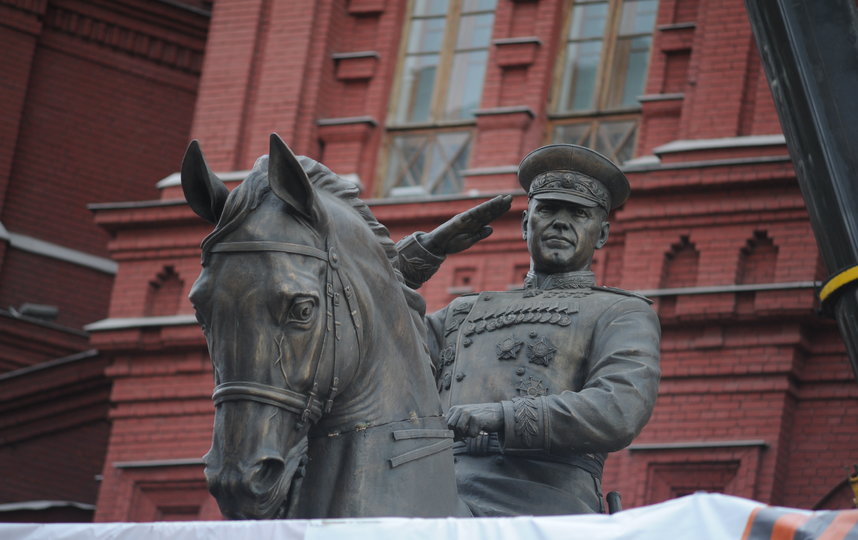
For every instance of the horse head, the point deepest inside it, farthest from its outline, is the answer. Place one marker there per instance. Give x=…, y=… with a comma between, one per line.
x=279, y=323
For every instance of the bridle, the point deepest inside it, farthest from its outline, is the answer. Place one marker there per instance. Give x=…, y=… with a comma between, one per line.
x=309, y=406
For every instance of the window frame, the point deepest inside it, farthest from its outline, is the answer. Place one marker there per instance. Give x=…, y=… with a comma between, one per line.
x=599, y=113
x=436, y=125
x=446, y=57
x=594, y=122
x=423, y=130
x=606, y=61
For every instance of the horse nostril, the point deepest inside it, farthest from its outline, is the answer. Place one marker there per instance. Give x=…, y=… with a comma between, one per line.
x=266, y=474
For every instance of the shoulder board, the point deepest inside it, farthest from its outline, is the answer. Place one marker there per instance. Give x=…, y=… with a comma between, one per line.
x=621, y=291
x=463, y=302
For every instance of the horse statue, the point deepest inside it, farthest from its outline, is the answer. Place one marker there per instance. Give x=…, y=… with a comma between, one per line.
x=325, y=403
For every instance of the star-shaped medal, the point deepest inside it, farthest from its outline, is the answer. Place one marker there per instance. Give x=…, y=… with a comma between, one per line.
x=541, y=351
x=532, y=388
x=508, y=348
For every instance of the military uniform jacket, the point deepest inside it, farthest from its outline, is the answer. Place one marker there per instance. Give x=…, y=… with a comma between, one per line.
x=575, y=366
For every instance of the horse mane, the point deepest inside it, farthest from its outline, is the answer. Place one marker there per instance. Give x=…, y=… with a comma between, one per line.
x=250, y=194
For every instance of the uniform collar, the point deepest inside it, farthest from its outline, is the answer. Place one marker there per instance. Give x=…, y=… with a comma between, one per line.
x=581, y=279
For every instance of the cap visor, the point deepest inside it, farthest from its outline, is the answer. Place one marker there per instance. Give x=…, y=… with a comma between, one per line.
x=565, y=197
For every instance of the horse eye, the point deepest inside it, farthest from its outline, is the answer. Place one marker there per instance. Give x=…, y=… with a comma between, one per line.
x=302, y=311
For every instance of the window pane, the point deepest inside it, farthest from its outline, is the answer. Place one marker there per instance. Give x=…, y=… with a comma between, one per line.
x=478, y=5
x=430, y=7
x=426, y=35
x=628, y=73
x=451, y=150
x=433, y=162
x=466, y=84
x=616, y=139
x=418, y=80
x=405, y=168
x=638, y=17
x=588, y=20
x=579, y=76
x=573, y=134
x=475, y=31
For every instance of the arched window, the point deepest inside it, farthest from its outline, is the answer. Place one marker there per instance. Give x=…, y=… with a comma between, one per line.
x=680, y=265
x=164, y=293
x=757, y=260
x=679, y=269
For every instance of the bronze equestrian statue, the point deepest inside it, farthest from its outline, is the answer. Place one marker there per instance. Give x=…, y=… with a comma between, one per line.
x=318, y=347
x=325, y=392
x=541, y=383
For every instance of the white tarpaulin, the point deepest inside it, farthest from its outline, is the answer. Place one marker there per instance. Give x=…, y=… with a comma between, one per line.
x=698, y=517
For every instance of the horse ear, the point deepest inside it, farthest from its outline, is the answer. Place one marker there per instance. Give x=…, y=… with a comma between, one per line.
x=204, y=191
x=289, y=181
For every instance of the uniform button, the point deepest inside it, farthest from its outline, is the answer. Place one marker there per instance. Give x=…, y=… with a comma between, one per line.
x=519, y=371
x=467, y=342
x=460, y=376
x=532, y=334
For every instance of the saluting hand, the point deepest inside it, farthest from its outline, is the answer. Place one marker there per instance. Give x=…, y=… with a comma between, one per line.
x=466, y=229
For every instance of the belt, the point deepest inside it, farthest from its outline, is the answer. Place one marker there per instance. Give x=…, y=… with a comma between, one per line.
x=488, y=444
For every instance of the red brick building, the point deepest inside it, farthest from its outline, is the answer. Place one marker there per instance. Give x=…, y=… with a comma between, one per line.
x=428, y=105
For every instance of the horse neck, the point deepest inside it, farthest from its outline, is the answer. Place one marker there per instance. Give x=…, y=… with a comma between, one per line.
x=393, y=379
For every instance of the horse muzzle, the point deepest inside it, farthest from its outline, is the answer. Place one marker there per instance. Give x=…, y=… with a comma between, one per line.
x=266, y=488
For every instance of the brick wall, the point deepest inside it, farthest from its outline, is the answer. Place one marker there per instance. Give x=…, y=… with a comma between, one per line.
x=97, y=100
x=53, y=418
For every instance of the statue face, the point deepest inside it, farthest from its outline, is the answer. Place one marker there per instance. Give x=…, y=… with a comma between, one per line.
x=562, y=236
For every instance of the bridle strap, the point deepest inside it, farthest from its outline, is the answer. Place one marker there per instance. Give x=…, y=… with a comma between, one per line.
x=269, y=395
x=282, y=247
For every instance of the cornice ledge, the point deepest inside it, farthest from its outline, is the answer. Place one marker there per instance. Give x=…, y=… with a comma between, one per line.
x=498, y=111
x=357, y=54
x=517, y=40
x=698, y=445
x=175, y=179
x=691, y=145
x=347, y=120
x=127, y=323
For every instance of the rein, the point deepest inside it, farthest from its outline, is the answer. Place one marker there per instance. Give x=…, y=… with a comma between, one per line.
x=309, y=406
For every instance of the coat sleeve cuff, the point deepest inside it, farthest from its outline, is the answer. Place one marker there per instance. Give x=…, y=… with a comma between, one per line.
x=416, y=263
x=524, y=427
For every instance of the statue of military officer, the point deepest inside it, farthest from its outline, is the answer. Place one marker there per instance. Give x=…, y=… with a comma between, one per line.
x=542, y=383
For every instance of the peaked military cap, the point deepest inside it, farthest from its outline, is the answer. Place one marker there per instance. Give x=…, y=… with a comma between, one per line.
x=572, y=173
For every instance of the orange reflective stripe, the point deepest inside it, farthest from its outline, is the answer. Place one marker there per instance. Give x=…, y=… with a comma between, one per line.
x=843, y=523
x=786, y=526
x=750, y=524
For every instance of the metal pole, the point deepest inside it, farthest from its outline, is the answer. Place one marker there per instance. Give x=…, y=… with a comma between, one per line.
x=810, y=54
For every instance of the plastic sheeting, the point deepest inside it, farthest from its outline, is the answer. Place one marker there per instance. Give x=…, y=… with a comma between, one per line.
x=699, y=517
